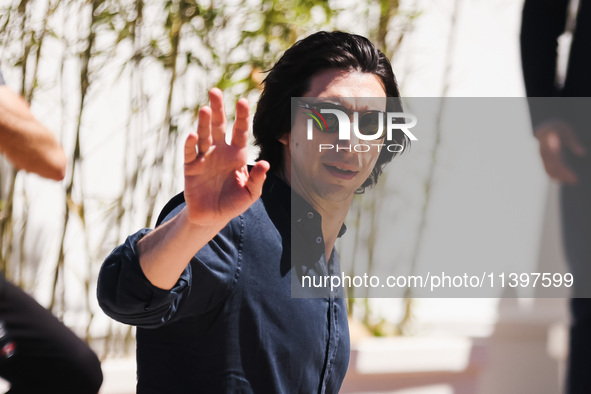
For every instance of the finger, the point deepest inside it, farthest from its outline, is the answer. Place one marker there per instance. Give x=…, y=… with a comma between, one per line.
x=564, y=175
x=240, y=132
x=572, y=142
x=557, y=169
x=256, y=178
x=218, y=115
x=190, y=152
x=204, y=130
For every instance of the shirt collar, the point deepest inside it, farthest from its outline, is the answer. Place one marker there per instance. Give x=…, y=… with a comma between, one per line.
x=300, y=210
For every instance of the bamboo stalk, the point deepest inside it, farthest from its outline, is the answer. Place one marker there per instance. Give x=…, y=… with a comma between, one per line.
x=76, y=160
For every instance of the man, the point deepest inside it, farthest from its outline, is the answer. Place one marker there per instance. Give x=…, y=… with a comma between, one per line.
x=562, y=128
x=210, y=289
x=44, y=355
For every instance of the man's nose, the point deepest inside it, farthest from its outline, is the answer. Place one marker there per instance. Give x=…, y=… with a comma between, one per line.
x=349, y=144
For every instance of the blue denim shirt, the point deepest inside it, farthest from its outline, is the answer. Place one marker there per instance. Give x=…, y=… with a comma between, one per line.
x=230, y=324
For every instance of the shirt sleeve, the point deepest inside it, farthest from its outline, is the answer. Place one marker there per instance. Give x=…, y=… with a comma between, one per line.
x=126, y=295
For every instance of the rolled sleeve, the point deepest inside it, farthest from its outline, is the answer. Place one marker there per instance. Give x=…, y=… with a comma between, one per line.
x=126, y=295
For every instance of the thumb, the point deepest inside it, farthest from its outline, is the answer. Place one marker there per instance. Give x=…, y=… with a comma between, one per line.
x=552, y=143
x=256, y=178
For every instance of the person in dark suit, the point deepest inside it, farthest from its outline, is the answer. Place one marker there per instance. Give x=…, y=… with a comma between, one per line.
x=564, y=136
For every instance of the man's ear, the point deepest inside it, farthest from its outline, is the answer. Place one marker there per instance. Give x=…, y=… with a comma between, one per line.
x=284, y=139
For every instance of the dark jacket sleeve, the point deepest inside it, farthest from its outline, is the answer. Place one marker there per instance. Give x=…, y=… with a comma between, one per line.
x=543, y=21
x=126, y=295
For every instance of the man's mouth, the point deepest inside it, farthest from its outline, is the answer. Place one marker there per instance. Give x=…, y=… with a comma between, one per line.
x=341, y=172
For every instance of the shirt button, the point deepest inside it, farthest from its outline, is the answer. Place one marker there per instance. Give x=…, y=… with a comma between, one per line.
x=319, y=240
x=310, y=215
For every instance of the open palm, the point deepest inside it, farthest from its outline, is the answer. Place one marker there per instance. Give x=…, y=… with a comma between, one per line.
x=218, y=186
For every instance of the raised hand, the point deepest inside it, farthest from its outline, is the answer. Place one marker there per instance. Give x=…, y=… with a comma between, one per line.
x=218, y=186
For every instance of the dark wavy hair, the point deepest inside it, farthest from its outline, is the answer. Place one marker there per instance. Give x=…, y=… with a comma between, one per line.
x=291, y=75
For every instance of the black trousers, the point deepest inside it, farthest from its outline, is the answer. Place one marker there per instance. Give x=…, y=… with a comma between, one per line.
x=576, y=229
x=49, y=358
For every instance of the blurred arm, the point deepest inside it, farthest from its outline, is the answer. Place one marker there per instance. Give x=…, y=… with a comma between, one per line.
x=543, y=22
x=26, y=143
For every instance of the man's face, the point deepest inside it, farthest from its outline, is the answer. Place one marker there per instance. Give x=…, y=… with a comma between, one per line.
x=331, y=175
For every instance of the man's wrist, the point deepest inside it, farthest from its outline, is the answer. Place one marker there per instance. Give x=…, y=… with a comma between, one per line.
x=196, y=226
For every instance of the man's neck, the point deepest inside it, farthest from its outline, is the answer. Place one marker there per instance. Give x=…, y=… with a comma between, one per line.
x=333, y=215
x=332, y=222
